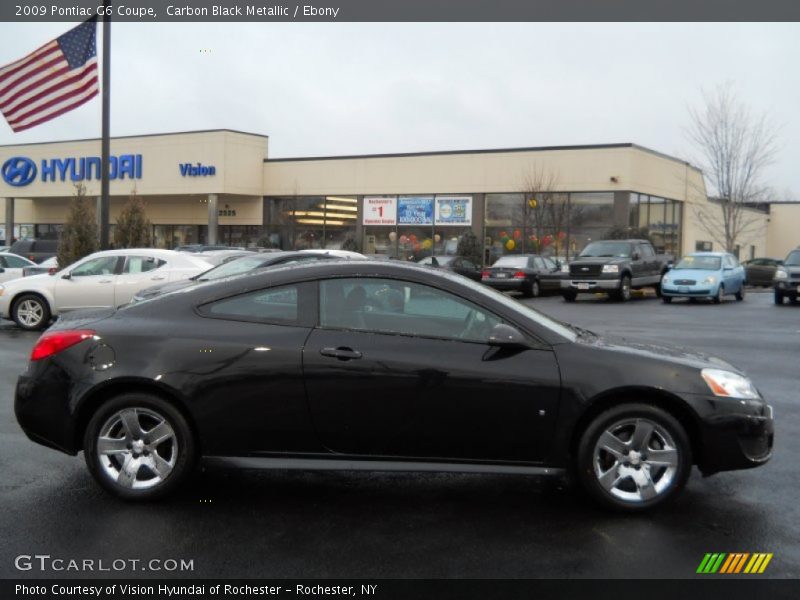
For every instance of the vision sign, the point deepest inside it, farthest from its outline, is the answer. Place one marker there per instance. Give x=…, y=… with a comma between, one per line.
x=19, y=171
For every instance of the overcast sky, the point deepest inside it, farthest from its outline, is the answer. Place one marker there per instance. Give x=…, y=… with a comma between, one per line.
x=329, y=89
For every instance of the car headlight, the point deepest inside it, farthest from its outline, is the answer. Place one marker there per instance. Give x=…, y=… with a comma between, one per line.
x=666, y=279
x=710, y=279
x=729, y=384
x=610, y=268
x=781, y=274
x=565, y=268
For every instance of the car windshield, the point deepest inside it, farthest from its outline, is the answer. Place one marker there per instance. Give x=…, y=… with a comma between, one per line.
x=234, y=267
x=511, y=261
x=793, y=260
x=703, y=263
x=621, y=249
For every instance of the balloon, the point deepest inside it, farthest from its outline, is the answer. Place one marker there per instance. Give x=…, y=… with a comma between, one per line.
x=403, y=239
x=427, y=244
x=517, y=234
x=437, y=238
x=561, y=235
x=413, y=238
x=532, y=203
x=504, y=240
x=548, y=239
x=416, y=247
x=392, y=236
x=510, y=245
x=503, y=234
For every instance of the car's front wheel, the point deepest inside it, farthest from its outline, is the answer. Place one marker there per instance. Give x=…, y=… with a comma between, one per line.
x=778, y=298
x=31, y=312
x=633, y=457
x=139, y=446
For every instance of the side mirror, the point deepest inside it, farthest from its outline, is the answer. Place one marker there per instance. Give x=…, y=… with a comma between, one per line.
x=67, y=275
x=636, y=256
x=506, y=336
x=2, y=270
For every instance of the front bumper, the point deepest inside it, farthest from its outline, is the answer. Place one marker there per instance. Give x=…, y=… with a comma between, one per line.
x=688, y=291
x=590, y=285
x=735, y=437
x=789, y=288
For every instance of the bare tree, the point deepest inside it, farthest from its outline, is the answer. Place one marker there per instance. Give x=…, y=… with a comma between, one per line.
x=546, y=209
x=734, y=148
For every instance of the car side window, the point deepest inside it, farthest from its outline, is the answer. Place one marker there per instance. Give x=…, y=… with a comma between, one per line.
x=273, y=305
x=402, y=307
x=142, y=264
x=646, y=251
x=468, y=264
x=550, y=265
x=538, y=263
x=15, y=262
x=104, y=265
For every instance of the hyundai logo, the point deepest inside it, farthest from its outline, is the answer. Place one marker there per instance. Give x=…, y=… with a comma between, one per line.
x=19, y=171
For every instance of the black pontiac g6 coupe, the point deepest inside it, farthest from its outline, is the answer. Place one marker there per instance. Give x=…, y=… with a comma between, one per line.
x=381, y=366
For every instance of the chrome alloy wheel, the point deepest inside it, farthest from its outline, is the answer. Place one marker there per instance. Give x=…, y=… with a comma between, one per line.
x=137, y=448
x=635, y=460
x=30, y=313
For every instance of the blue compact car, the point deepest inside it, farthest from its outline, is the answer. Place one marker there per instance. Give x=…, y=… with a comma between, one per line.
x=711, y=275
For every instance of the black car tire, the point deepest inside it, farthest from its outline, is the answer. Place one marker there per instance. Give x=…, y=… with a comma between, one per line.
x=666, y=299
x=720, y=297
x=569, y=296
x=740, y=294
x=628, y=417
x=146, y=408
x=623, y=294
x=31, y=302
x=778, y=298
x=657, y=288
x=532, y=290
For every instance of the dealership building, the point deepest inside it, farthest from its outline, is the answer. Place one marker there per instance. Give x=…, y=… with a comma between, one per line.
x=221, y=187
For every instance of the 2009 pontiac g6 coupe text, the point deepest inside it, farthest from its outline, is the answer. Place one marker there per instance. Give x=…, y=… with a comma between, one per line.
x=383, y=366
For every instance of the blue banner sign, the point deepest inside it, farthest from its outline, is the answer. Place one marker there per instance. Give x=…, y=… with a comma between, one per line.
x=415, y=210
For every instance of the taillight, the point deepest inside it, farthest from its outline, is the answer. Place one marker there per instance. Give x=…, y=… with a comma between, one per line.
x=485, y=275
x=57, y=341
x=519, y=275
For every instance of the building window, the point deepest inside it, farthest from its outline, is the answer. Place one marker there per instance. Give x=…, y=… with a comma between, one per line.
x=301, y=222
x=703, y=246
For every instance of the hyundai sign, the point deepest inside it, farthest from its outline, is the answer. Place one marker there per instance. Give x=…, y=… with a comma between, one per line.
x=19, y=171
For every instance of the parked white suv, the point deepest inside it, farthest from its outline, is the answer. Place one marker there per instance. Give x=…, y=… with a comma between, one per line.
x=101, y=280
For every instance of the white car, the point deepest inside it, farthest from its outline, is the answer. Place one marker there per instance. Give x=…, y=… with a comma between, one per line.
x=11, y=266
x=101, y=280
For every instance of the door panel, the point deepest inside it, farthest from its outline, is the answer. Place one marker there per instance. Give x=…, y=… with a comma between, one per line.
x=420, y=397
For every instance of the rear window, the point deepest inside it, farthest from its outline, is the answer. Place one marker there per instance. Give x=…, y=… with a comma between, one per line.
x=511, y=261
x=22, y=246
x=45, y=246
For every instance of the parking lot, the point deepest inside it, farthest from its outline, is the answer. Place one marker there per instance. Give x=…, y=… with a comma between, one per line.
x=303, y=525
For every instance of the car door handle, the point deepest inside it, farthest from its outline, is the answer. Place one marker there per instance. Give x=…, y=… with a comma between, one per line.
x=157, y=278
x=341, y=353
x=104, y=281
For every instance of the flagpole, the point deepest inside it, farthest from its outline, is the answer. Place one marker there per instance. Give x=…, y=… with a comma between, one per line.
x=104, y=143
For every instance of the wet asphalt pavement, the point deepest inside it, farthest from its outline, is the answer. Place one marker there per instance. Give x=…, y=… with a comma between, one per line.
x=361, y=525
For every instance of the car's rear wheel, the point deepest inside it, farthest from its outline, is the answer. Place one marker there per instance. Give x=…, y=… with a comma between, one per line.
x=532, y=290
x=139, y=446
x=31, y=312
x=740, y=294
x=633, y=457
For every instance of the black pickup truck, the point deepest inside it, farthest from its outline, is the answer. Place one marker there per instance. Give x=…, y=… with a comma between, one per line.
x=615, y=267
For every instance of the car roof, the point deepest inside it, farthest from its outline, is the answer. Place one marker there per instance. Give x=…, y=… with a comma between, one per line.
x=714, y=254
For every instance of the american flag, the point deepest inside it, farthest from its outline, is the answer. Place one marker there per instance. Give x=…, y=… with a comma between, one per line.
x=59, y=76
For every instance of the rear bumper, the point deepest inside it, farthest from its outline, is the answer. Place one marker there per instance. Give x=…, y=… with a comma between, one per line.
x=41, y=406
x=506, y=285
